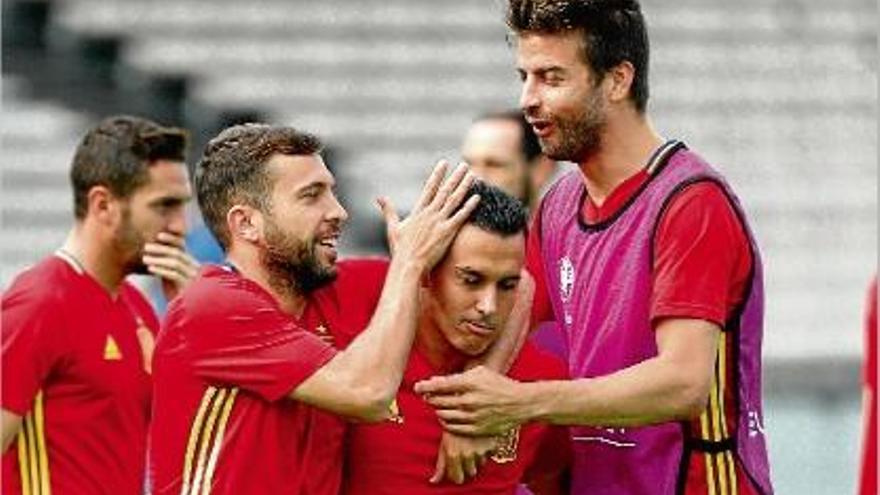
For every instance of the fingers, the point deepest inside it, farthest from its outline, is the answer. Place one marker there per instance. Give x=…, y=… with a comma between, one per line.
x=450, y=401
x=466, y=430
x=456, y=416
x=461, y=176
x=455, y=471
x=439, y=468
x=462, y=215
x=389, y=212
x=171, y=239
x=167, y=274
x=444, y=385
x=184, y=266
x=469, y=467
x=432, y=185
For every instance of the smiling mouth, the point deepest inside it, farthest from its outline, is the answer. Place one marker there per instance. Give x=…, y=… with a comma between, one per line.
x=541, y=127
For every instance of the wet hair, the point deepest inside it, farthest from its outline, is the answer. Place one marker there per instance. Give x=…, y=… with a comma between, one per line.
x=233, y=169
x=497, y=212
x=613, y=31
x=529, y=145
x=117, y=154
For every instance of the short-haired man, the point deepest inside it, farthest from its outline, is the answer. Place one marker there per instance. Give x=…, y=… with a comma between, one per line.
x=467, y=300
x=245, y=370
x=77, y=338
x=502, y=149
x=646, y=261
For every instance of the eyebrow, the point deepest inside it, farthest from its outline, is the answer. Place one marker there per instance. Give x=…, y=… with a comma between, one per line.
x=171, y=200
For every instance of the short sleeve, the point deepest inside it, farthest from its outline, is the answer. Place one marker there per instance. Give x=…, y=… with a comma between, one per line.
x=32, y=346
x=702, y=257
x=541, y=308
x=249, y=343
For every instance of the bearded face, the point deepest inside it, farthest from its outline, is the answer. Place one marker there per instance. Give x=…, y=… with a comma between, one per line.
x=293, y=263
x=129, y=243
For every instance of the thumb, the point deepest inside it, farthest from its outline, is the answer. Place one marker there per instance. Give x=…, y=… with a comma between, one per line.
x=439, y=468
x=389, y=213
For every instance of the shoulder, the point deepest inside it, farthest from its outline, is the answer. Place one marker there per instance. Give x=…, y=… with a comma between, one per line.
x=362, y=270
x=48, y=283
x=217, y=292
x=534, y=363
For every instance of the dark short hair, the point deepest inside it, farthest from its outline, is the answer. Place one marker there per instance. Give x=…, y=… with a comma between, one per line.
x=614, y=31
x=117, y=154
x=529, y=145
x=233, y=169
x=497, y=212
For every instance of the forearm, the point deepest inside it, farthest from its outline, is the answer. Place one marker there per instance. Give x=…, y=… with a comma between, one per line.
x=653, y=391
x=503, y=352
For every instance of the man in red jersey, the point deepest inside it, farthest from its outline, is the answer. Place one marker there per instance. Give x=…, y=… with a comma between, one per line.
x=644, y=259
x=246, y=374
x=77, y=338
x=467, y=300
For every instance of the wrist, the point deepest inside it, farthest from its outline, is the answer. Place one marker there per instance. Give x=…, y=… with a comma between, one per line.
x=537, y=400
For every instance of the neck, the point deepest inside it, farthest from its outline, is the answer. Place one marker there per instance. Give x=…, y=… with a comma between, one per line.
x=249, y=266
x=437, y=350
x=626, y=146
x=96, y=256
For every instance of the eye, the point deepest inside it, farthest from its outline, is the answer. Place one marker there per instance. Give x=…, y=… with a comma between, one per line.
x=508, y=285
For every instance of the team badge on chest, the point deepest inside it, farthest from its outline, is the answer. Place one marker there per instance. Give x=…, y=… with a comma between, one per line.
x=566, y=278
x=506, y=446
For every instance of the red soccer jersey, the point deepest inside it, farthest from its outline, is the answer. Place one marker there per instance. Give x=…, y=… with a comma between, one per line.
x=73, y=367
x=398, y=456
x=225, y=361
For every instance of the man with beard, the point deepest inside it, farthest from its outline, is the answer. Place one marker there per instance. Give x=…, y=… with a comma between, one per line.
x=78, y=338
x=249, y=387
x=645, y=260
x=467, y=300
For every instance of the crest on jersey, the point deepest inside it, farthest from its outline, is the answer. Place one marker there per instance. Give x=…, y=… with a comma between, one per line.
x=566, y=278
x=506, y=446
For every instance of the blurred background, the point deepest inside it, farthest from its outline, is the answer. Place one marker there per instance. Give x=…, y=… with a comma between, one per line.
x=781, y=95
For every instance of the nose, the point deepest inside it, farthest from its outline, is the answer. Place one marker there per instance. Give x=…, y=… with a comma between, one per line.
x=177, y=221
x=487, y=302
x=337, y=211
x=528, y=97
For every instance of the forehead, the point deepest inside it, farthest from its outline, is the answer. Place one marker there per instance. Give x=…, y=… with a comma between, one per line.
x=291, y=172
x=536, y=51
x=492, y=134
x=487, y=252
x=166, y=177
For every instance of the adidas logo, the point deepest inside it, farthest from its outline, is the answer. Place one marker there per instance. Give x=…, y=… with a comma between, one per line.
x=111, y=350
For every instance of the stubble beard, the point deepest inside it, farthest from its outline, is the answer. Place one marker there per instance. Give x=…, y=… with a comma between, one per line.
x=129, y=244
x=292, y=265
x=579, y=138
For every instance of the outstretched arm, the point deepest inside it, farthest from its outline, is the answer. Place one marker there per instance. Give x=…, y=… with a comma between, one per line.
x=673, y=385
x=362, y=381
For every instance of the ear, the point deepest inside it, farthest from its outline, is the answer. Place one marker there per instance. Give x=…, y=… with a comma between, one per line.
x=102, y=205
x=619, y=80
x=245, y=223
